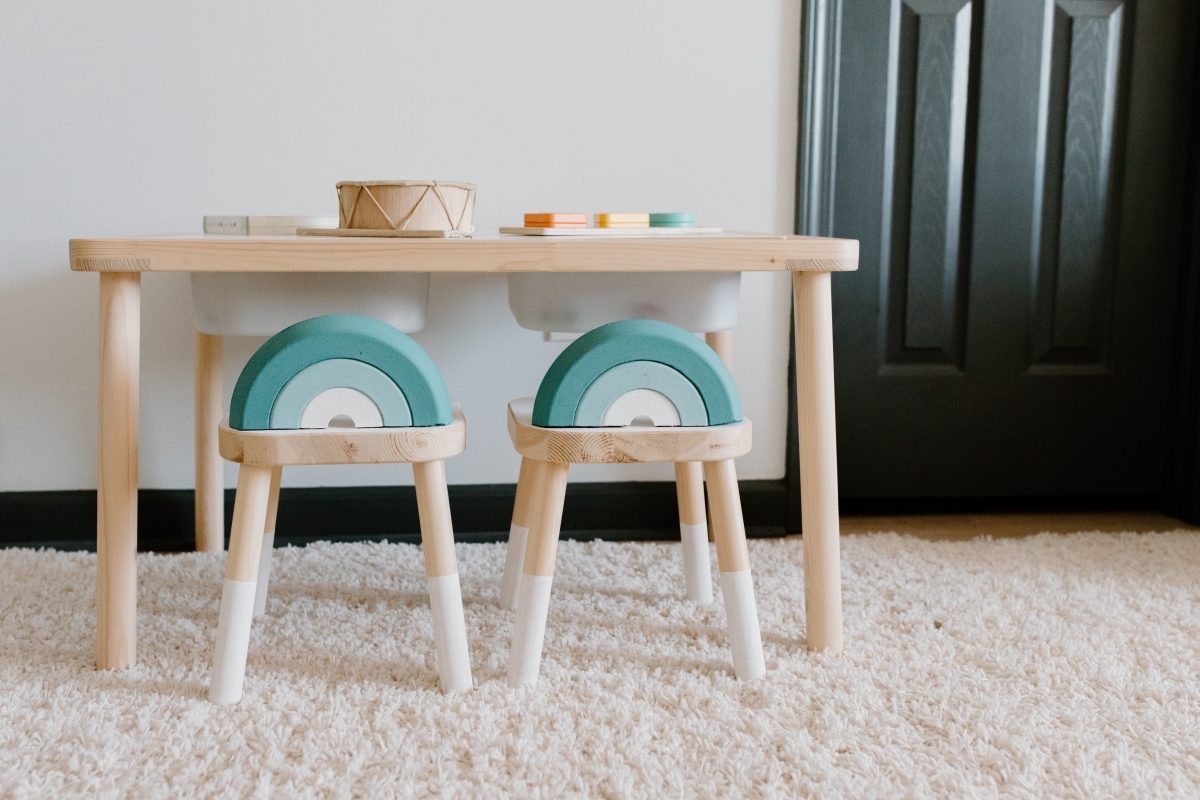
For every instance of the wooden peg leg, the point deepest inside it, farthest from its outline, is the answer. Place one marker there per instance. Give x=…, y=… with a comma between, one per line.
x=241, y=581
x=441, y=572
x=518, y=534
x=722, y=343
x=117, y=481
x=268, y=545
x=693, y=531
x=818, y=460
x=533, y=601
x=210, y=471
x=734, y=561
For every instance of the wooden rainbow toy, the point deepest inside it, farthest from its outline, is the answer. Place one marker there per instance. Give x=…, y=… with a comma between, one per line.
x=632, y=368
x=339, y=365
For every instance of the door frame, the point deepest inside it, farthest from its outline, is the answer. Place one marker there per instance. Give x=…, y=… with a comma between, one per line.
x=1181, y=495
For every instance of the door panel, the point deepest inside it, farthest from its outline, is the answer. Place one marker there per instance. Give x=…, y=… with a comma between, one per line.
x=1006, y=167
x=925, y=162
x=1079, y=167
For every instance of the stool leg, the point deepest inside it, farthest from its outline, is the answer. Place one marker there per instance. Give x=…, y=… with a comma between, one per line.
x=518, y=534
x=268, y=545
x=533, y=601
x=441, y=572
x=734, y=561
x=693, y=531
x=241, y=581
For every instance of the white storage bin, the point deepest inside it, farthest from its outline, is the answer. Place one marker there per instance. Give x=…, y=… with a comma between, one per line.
x=264, y=303
x=576, y=303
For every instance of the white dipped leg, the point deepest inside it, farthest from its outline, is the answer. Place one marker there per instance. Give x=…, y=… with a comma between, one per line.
x=548, y=484
x=264, y=574
x=450, y=633
x=693, y=531
x=518, y=534
x=733, y=560
x=241, y=583
x=233, y=642
x=744, y=637
x=533, y=605
x=515, y=557
x=441, y=573
x=696, y=572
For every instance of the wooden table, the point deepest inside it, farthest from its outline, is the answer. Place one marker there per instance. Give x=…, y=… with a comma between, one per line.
x=120, y=263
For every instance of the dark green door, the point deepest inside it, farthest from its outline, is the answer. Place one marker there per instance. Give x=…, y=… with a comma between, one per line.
x=1013, y=171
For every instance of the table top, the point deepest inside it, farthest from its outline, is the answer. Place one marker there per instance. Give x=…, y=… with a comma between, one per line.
x=741, y=252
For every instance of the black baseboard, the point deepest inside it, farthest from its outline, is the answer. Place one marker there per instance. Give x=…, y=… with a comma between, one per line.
x=881, y=506
x=614, y=511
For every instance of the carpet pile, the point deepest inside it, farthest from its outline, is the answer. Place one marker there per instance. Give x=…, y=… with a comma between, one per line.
x=1051, y=666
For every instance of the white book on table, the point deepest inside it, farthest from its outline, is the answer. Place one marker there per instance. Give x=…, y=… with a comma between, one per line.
x=266, y=226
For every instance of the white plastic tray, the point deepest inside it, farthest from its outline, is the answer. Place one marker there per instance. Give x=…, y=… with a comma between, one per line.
x=264, y=303
x=557, y=302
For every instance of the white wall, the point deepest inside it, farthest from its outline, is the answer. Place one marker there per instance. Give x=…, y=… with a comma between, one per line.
x=140, y=117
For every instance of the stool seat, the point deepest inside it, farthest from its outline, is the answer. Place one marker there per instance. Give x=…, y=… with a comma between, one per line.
x=343, y=445
x=631, y=444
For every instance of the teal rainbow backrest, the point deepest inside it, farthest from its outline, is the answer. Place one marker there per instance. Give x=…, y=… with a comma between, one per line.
x=636, y=361
x=321, y=364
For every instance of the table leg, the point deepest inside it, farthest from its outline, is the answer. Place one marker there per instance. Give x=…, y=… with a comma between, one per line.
x=818, y=460
x=722, y=343
x=117, y=479
x=210, y=472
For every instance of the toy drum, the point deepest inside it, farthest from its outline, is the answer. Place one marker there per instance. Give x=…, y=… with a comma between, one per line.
x=406, y=206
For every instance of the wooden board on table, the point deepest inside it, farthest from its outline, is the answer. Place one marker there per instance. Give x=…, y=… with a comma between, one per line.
x=610, y=231
x=381, y=234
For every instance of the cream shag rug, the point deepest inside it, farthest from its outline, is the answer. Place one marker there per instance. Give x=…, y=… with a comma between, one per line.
x=1049, y=666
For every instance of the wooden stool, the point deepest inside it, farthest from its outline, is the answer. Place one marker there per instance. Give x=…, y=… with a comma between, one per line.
x=263, y=455
x=338, y=389
x=547, y=454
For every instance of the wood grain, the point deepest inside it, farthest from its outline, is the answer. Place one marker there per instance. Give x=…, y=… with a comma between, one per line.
x=210, y=472
x=754, y=253
x=545, y=517
x=249, y=522
x=729, y=531
x=344, y=445
x=433, y=508
x=525, y=481
x=722, y=344
x=689, y=488
x=117, y=482
x=628, y=445
x=818, y=460
x=273, y=502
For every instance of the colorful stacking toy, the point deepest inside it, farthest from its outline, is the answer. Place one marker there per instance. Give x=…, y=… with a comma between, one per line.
x=559, y=220
x=338, y=389
x=637, y=365
x=633, y=391
x=622, y=220
x=674, y=220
